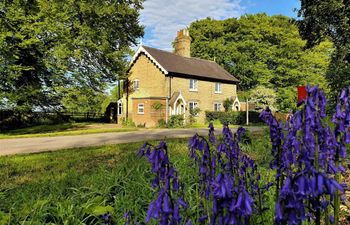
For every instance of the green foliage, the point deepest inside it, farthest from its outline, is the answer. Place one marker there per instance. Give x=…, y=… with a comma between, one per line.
x=329, y=20
x=234, y=118
x=228, y=102
x=286, y=99
x=261, y=50
x=193, y=114
x=176, y=121
x=74, y=186
x=128, y=122
x=246, y=137
x=157, y=106
x=83, y=100
x=264, y=97
x=113, y=96
x=162, y=123
x=48, y=46
x=338, y=76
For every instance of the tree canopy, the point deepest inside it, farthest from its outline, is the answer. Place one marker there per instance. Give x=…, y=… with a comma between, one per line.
x=329, y=19
x=262, y=50
x=50, y=47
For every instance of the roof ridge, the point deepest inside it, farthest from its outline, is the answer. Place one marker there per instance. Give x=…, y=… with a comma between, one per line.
x=196, y=58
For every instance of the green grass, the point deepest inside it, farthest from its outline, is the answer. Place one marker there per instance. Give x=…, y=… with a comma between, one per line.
x=62, y=129
x=75, y=186
x=217, y=123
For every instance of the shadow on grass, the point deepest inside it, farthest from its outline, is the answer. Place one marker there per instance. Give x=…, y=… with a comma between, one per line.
x=47, y=128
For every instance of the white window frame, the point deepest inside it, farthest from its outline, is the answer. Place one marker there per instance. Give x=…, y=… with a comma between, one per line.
x=218, y=88
x=215, y=106
x=194, y=105
x=194, y=85
x=120, y=108
x=141, y=106
x=136, y=84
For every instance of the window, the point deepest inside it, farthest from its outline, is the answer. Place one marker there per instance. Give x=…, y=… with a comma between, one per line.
x=141, y=108
x=217, y=87
x=192, y=106
x=217, y=107
x=193, y=85
x=120, y=108
x=136, y=85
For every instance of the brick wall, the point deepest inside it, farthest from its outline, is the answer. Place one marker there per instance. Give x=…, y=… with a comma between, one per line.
x=151, y=115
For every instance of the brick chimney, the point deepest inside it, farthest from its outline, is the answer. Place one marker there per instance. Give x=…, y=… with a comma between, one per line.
x=183, y=43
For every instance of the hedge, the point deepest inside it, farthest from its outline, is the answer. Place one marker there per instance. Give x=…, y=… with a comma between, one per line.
x=234, y=118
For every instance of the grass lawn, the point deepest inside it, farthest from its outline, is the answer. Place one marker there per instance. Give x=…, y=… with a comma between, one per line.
x=76, y=186
x=63, y=129
x=217, y=123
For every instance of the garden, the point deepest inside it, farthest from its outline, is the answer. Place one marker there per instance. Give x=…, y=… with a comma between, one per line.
x=292, y=173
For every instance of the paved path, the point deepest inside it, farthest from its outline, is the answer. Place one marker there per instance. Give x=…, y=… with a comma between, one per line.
x=41, y=144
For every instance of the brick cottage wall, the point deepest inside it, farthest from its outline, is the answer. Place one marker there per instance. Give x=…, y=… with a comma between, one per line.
x=151, y=115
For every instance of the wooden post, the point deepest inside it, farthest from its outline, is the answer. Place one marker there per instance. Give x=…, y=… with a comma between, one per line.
x=127, y=99
x=117, y=117
x=247, y=110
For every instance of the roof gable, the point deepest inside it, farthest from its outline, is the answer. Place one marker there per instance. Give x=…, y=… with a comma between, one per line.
x=144, y=51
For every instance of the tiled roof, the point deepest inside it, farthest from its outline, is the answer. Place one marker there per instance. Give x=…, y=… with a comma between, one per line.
x=176, y=65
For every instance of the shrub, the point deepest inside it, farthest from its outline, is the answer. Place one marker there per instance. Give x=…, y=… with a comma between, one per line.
x=193, y=113
x=228, y=102
x=128, y=122
x=175, y=121
x=162, y=123
x=234, y=118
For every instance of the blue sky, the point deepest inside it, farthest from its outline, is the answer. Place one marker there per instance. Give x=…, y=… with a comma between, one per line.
x=162, y=18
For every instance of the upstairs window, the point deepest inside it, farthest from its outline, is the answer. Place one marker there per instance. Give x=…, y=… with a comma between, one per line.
x=193, y=85
x=136, y=85
x=217, y=87
x=217, y=107
x=141, y=108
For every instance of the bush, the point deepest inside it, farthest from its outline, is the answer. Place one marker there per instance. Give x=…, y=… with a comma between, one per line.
x=228, y=102
x=234, y=118
x=193, y=114
x=128, y=122
x=175, y=121
x=162, y=123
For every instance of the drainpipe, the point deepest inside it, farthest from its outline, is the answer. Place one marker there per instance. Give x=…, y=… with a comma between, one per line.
x=167, y=101
x=166, y=109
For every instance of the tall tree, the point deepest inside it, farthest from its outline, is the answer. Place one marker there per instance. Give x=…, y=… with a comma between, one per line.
x=47, y=46
x=83, y=100
x=329, y=19
x=262, y=50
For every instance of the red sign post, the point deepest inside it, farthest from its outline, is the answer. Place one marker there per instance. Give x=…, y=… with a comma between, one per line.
x=302, y=94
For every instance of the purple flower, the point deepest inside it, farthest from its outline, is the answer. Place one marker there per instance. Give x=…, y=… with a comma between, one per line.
x=169, y=202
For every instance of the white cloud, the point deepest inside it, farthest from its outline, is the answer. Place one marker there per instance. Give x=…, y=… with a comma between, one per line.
x=163, y=18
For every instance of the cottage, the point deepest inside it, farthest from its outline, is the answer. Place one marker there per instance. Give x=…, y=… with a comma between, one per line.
x=162, y=84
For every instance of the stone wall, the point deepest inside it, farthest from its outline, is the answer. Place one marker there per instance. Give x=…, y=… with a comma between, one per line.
x=205, y=94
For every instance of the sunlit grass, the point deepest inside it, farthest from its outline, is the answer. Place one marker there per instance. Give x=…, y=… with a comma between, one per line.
x=62, y=130
x=75, y=186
